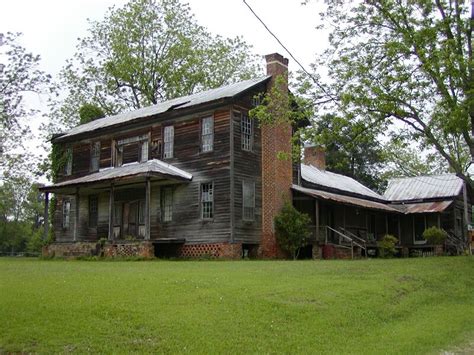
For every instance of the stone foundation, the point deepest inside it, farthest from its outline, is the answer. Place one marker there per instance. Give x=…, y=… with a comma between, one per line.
x=119, y=249
x=211, y=250
x=72, y=249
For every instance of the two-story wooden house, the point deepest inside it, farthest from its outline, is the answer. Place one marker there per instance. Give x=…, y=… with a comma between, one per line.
x=192, y=176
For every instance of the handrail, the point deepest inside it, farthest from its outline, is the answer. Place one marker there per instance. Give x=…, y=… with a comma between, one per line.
x=353, y=236
x=346, y=237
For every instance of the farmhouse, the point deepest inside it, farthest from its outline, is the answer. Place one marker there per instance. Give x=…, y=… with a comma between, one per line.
x=196, y=176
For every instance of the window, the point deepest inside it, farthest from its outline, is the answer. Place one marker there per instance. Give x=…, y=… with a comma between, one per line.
x=93, y=211
x=207, y=200
x=95, y=156
x=141, y=212
x=256, y=100
x=169, y=141
x=419, y=224
x=68, y=165
x=246, y=128
x=167, y=204
x=144, y=151
x=248, y=200
x=118, y=214
x=207, y=134
x=66, y=213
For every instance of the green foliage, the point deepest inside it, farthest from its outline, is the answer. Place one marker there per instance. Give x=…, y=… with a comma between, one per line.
x=387, y=246
x=291, y=227
x=435, y=235
x=145, y=52
x=90, y=112
x=407, y=68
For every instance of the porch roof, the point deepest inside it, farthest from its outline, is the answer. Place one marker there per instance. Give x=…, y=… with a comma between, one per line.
x=348, y=200
x=425, y=207
x=149, y=168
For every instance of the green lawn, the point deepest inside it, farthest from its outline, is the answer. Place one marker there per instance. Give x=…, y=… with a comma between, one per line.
x=366, y=306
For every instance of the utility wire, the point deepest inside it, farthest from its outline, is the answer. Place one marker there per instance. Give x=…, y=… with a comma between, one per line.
x=291, y=55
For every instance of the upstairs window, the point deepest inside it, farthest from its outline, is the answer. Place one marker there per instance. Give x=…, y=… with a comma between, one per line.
x=207, y=200
x=93, y=211
x=66, y=213
x=95, y=156
x=68, y=164
x=129, y=150
x=169, y=142
x=246, y=128
x=167, y=204
x=207, y=134
x=144, y=151
x=248, y=200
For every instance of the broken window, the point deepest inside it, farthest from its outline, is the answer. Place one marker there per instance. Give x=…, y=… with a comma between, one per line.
x=167, y=204
x=93, y=211
x=68, y=164
x=248, y=200
x=207, y=200
x=169, y=142
x=95, y=156
x=66, y=213
x=130, y=150
x=207, y=134
x=246, y=127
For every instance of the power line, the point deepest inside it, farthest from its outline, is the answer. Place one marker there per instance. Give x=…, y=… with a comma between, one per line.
x=290, y=54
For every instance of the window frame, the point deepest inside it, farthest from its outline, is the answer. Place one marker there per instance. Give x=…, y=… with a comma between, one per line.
x=168, y=153
x=207, y=134
x=252, y=188
x=95, y=156
x=202, y=202
x=246, y=138
x=68, y=164
x=167, y=205
x=93, y=216
x=66, y=214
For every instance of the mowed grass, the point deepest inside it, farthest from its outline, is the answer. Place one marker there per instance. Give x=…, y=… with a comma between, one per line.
x=366, y=306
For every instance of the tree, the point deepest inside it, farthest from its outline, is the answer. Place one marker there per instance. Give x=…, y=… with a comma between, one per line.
x=146, y=52
x=408, y=65
x=19, y=76
x=291, y=227
x=90, y=112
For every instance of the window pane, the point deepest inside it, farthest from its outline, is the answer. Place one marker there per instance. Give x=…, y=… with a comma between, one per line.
x=66, y=213
x=144, y=151
x=141, y=212
x=246, y=132
x=117, y=214
x=169, y=140
x=207, y=134
x=167, y=204
x=248, y=200
x=207, y=200
x=68, y=165
x=93, y=211
x=95, y=156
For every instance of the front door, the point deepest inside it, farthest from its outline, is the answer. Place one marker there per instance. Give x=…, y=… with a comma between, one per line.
x=130, y=219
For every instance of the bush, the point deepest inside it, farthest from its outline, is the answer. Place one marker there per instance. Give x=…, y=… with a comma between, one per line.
x=387, y=246
x=291, y=228
x=435, y=235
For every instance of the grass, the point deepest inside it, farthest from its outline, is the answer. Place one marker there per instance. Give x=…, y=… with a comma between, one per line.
x=368, y=306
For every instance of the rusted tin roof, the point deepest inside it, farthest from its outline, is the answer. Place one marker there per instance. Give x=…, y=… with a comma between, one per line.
x=421, y=187
x=348, y=200
x=150, y=168
x=336, y=181
x=223, y=92
x=425, y=207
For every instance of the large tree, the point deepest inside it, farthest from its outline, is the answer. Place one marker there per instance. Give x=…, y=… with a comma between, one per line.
x=409, y=65
x=20, y=76
x=146, y=52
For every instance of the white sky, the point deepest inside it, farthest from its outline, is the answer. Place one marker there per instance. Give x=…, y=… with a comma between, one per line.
x=51, y=27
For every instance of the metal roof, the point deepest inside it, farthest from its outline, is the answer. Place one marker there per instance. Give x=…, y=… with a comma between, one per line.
x=150, y=168
x=336, y=181
x=422, y=187
x=354, y=201
x=223, y=92
x=424, y=207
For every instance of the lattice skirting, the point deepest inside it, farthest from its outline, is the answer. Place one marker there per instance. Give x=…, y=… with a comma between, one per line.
x=211, y=250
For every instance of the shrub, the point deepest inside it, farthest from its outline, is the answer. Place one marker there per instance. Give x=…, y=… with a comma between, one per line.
x=387, y=246
x=291, y=228
x=435, y=235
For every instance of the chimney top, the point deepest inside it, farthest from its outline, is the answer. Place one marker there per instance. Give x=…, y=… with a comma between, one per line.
x=276, y=57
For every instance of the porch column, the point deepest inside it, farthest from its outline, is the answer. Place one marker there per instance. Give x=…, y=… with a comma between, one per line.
x=76, y=222
x=46, y=215
x=147, y=208
x=316, y=203
x=111, y=211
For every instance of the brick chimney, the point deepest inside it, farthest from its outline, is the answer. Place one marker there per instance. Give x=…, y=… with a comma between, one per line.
x=276, y=173
x=315, y=156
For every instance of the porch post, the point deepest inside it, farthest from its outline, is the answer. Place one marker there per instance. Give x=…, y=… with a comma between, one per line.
x=76, y=222
x=316, y=203
x=111, y=211
x=46, y=215
x=147, y=208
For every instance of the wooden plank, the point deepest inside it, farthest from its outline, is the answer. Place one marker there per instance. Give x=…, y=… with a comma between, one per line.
x=111, y=212
x=147, y=208
x=46, y=215
x=76, y=220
